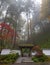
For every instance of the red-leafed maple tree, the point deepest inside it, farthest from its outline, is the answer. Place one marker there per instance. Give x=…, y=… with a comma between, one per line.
x=38, y=50
x=7, y=33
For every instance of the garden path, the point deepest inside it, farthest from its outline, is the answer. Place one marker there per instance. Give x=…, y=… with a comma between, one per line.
x=23, y=59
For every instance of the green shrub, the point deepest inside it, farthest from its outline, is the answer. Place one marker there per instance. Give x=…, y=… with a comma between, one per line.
x=35, y=59
x=10, y=58
x=43, y=58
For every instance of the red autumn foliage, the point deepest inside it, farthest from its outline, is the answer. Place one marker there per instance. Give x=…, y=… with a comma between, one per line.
x=38, y=50
x=6, y=34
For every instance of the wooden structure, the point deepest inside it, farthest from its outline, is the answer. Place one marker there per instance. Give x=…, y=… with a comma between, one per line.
x=26, y=47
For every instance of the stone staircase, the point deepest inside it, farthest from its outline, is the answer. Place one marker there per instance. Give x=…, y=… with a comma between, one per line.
x=23, y=59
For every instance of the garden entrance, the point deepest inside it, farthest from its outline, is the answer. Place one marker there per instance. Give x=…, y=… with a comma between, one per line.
x=25, y=49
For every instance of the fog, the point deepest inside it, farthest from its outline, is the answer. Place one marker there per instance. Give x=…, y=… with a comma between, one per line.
x=30, y=18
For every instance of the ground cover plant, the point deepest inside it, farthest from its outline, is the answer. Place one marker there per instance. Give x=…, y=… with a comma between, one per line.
x=39, y=56
x=10, y=58
x=43, y=58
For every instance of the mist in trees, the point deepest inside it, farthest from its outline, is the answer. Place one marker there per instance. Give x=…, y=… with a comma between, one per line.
x=29, y=19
